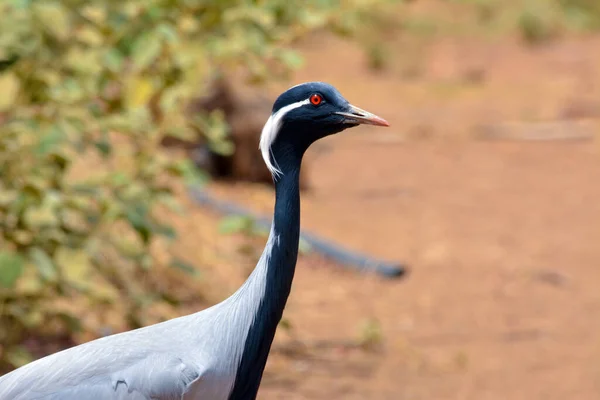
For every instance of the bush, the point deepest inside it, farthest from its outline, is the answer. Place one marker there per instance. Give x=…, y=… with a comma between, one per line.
x=583, y=14
x=89, y=89
x=536, y=27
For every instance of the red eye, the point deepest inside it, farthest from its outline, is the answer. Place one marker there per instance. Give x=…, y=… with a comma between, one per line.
x=316, y=99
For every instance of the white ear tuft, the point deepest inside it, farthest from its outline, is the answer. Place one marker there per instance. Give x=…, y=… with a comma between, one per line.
x=269, y=134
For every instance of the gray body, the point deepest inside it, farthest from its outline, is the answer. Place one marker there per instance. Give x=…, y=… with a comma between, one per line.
x=192, y=358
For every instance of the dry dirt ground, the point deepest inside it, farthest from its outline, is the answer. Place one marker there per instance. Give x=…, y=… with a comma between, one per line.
x=501, y=230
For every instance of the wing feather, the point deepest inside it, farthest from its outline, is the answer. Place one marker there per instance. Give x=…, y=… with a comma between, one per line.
x=132, y=365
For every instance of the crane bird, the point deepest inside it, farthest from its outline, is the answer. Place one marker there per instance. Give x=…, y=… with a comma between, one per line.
x=220, y=352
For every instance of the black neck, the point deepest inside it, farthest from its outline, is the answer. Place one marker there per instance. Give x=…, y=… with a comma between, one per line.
x=279, y=276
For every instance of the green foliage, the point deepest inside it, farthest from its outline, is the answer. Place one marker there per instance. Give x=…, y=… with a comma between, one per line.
x=246, y=225
x=89, y=89
x=11, y=268
x=535, y=27
x=541, y=20
x=377, y=56
x=536, y=21
x=582, y=14
x=238, y=224
x=370, y=334
x=77, y=221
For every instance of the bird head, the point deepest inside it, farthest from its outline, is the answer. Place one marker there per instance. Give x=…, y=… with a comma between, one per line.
x=304, y=114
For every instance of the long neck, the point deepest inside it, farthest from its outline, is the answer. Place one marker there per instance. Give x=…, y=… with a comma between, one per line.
x=271, y=281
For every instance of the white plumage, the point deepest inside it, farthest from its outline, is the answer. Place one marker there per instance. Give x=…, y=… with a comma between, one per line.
x=269, y=134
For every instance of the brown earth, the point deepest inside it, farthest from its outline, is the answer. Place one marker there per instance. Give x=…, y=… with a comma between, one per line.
x=496, y=214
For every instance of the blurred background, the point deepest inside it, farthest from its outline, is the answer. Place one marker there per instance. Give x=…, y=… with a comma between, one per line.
x=486, y=185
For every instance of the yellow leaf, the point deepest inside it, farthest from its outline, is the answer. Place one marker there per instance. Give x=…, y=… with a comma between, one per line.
x=188, y=24
x=43, y=216
x=54, y=17
x=129, y=248
x=103, y=290
x=7, y=196
x=9, y=87
x=94, y=13
x=138, y=91
x=74, y=263
x=84, y=60
x=17, y=356
x=90, y=35
x=29, y=284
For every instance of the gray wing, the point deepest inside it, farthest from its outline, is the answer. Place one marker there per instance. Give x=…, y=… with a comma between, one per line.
x=155, y=378
x=133, y=365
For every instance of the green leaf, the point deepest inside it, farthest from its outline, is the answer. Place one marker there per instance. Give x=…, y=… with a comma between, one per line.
x=42, y=216
x=54, y=17
x=184, y=266
x=90, y=36
x=145, y=50
x=95, y=13
x=104, y=147
x=72, y=321
x=223, y=147
x=286, y=325
x=236, y=224
x=304, y=247
x=139, y=220
x=50, y=140
x=168, y=32
x=7, y=62
x=166, y=231
x=171, y=98
x=292, y=59
x=23, y=237
x=18, y=356
x=7, y=197
x=43, y=263
x=11, y=268
x=192, y=176
x=113, y=60
x=29, y=284
x=370, y=334
x=146, y=261
x=171, y=203
x=129, y=248
x=119, y=178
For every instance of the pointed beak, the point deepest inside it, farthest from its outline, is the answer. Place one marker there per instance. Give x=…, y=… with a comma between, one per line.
x=357, y=115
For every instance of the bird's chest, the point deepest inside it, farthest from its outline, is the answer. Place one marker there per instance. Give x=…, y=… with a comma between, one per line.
x=219, y=371
x=221, y=346
x=216, y=383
